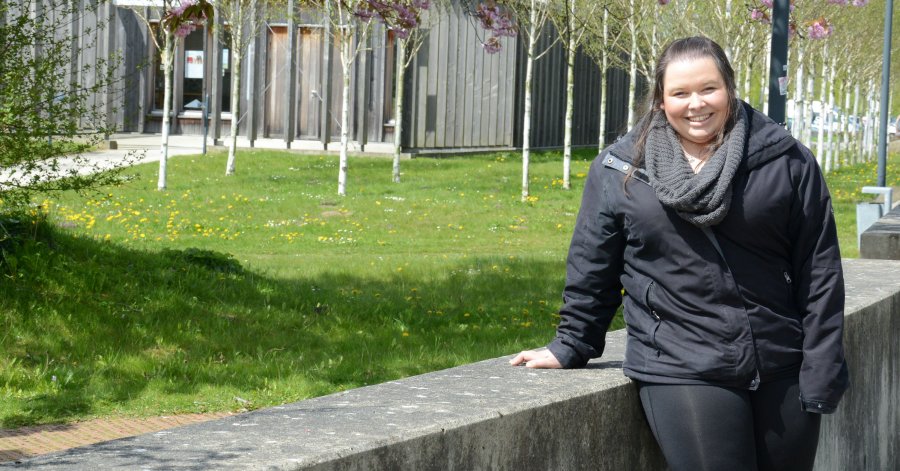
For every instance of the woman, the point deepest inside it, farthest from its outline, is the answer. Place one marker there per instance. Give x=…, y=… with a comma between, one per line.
x=718, y=225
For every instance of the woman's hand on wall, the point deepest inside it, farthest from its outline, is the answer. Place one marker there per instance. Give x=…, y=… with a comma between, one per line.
x=536, y=359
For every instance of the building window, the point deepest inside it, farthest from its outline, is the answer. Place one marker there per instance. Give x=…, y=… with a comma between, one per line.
x=193, y=70
x=390, y=68
x=226, y=70
x=159, y=78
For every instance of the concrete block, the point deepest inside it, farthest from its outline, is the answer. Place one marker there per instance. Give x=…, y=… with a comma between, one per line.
x=882, y=239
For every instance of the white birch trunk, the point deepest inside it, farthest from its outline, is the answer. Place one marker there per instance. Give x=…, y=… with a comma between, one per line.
x=820, y=136
x=236, y=39
x=873, y=128
x=728, y=52
x=868, y=140
x=570, y=100
x=799, y=99
x=346, y=62
x=843, y=157
x=632, y=69
x=829, y=141
x=526, y=125
x=604, y=66
x=857, y=133
x=810, y=93
x=398, y=106
x=167, y=59
x=747, y=82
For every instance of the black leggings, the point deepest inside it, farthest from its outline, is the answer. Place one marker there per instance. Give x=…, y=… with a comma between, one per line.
x=707, y=428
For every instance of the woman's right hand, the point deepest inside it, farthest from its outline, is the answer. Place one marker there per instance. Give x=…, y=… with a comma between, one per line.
x=536, y=359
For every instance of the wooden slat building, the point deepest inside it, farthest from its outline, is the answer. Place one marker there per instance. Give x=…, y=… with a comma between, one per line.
x=457, y=97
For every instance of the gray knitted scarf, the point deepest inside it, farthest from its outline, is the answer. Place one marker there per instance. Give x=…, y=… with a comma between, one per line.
x=703, y=198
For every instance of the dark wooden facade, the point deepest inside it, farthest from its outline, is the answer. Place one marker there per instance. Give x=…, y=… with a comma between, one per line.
x=456, y=95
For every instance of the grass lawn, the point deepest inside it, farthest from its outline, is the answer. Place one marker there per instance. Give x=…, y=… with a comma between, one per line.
x=266, y=287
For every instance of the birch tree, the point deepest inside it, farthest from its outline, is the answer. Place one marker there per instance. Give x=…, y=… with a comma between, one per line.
x=409, y=22
x=245, y=19
x=600, y=46
x=175, y=19
x=569, y=17
x=527, y=17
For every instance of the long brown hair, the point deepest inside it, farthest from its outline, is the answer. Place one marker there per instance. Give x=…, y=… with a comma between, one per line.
x=694, y=47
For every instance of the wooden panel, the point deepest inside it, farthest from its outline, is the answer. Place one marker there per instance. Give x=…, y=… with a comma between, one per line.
x=337, y=88
x=459, y=101
x=276, y=81
x=440, y=130
x=449, y=100
x=309, y=44
x=508, y=68
x=468, y=96
x=475, y=124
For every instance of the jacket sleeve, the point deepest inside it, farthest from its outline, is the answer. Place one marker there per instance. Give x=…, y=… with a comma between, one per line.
x=819, y=290
x=593, y=290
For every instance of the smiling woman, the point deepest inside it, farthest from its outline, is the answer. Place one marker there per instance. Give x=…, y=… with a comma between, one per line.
x=713, y=227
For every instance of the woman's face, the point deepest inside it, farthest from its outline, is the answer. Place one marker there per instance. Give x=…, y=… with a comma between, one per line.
x=694, y=99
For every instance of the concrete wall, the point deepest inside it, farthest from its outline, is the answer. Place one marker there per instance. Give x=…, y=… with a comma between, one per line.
x=489, y=415
x=882, y=239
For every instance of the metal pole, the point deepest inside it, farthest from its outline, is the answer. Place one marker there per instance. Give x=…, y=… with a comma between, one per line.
x=885, y=93
x=778, y=68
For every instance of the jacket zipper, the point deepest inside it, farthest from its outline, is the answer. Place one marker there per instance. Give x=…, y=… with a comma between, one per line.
x=655, y=317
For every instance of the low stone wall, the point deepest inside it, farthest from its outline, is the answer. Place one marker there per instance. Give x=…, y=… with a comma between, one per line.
x=882, y=239
x=489, y=415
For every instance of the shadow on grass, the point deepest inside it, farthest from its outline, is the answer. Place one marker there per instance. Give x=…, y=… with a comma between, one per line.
x=94, y=328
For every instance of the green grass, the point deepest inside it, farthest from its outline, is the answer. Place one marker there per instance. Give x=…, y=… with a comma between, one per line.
x=129, y=302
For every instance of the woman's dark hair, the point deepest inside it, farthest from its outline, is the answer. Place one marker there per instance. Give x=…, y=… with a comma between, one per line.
x=694, y=47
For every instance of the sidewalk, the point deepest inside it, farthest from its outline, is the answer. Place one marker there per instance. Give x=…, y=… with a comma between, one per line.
x=27, y=442
x=142, y=148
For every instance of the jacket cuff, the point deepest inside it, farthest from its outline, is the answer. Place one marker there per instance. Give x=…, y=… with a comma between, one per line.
x=817, y=407
x=567, y=355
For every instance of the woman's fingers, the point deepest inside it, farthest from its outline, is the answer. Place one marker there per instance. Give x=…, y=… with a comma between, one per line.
x=522, y=357
x=536, y=359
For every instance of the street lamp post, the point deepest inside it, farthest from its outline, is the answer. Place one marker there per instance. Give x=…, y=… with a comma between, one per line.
x=885, y=93
x=779, y=67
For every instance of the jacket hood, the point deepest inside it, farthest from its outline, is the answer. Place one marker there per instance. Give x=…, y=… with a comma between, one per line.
x=765, y=140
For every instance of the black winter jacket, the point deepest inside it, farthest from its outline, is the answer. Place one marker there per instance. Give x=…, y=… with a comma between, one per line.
x=761, y=300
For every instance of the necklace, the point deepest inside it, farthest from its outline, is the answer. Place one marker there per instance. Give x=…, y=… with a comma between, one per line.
x=696, y=163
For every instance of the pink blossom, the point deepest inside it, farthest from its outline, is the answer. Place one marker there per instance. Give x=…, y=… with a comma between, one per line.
x=179, y=10
x=767, y=3
x=758, y=15
x=184, y=29
x=838, y=2
x=492, y=45
x=819, y=29
x=860, y=3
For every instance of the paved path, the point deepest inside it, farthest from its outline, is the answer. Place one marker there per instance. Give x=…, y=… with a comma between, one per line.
x=26, y=442
x=140, y=148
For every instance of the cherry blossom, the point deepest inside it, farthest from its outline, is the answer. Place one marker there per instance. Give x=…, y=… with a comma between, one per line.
x=402, y=16
x=184, y=18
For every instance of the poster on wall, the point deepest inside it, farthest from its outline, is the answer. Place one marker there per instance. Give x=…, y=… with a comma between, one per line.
x=193, y=64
